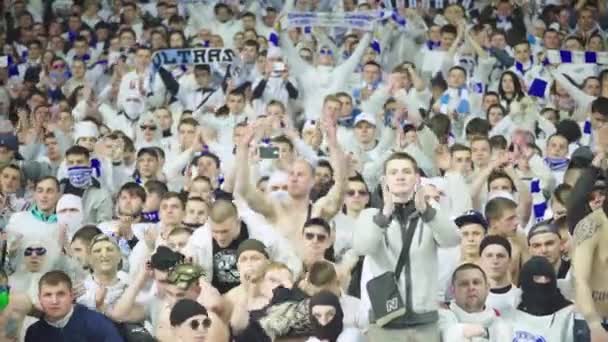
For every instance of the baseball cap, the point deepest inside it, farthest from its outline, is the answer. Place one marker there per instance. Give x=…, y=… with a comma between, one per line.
x=369, y=118
x=471, y=217
x=184, y=275
x=541, y=228
x=9, y=140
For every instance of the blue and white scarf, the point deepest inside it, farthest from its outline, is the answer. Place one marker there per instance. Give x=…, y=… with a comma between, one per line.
x=557, y=164
x=80, y=177
x=150, y=217
x=522, y=68
x=432, y=45
x=359, y=20
x=539, y=202
x=194, y=56
x=375, y=45
x=350, y=20
x=576, y=57
x=96, y=166
x=538, y=88
x=478, y=87
x=463, y=106
x=503, y=23
x=587, y=137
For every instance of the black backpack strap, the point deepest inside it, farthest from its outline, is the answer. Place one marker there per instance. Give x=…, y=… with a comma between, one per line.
x=407, y=235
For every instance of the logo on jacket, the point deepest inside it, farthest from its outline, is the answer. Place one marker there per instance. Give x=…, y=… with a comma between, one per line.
x=392, y=305
x=524, y=336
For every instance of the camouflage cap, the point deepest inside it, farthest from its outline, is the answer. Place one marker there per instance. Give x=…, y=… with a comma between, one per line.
x=184, y=275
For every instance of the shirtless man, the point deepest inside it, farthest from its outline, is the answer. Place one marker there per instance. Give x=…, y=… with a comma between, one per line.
x=589, y=262
x=12, y=311
x=290, y=215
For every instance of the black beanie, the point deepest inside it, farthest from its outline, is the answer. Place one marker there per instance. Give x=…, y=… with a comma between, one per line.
x=251, y=245
x=185, y=309
x=165, y=258
x=495, y=240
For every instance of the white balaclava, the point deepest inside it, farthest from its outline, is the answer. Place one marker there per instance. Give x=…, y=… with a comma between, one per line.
x=133, y=107
x=72, y=219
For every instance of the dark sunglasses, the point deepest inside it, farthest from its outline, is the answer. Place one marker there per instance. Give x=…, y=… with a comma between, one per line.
x=311, y=236
x=205, y=323
x=38, y=251
x=58, y=66
x=325, y=51
x=144, y=127
x=352, y=193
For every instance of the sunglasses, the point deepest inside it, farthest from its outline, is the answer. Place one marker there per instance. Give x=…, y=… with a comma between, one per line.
x=205, y=323
x=58, y=66
x=325, y=51
x=311, y=236
x=352, y=193
x=151, y=128
x=38, y=251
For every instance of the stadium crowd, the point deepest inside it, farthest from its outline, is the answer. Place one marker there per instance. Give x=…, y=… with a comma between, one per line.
x=304, y=170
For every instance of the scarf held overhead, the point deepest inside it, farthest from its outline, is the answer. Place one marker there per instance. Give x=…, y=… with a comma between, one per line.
x=195, y=56
x=360, y=20
x=576, y=57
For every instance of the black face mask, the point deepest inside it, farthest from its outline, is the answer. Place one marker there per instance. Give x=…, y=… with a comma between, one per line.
x=333, y=329
x=540, y=299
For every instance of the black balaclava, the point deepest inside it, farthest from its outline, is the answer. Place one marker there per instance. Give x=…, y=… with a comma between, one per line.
x=333, y=329
x=540, y=299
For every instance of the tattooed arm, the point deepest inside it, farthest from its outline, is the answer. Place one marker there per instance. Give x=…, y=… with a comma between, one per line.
x=585, y=242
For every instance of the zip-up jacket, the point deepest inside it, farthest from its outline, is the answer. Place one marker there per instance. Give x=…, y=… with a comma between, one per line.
x=379, y=239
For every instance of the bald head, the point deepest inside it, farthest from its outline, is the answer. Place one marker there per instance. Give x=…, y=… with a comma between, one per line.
x=301, y=179
x=222, y=210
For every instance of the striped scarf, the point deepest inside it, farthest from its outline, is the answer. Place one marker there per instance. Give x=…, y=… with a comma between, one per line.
x=539, y=202
x=463, y=106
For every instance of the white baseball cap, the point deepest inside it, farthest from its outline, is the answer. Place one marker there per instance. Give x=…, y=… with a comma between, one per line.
x=369, y=118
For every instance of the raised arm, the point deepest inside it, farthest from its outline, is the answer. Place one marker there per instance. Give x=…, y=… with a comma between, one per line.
x=582, y=99
x=445, y=232
x=448, y=60
x=296, y=62
x=126, y=309
x=328, y=206
x=254, y=198
x=351, y=63
x=524, y=207
x=577, y=205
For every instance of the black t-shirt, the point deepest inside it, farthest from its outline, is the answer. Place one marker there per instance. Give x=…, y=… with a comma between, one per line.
x=225, y=273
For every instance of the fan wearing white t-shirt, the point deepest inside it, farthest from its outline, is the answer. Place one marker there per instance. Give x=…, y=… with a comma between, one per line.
x=495, y=258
